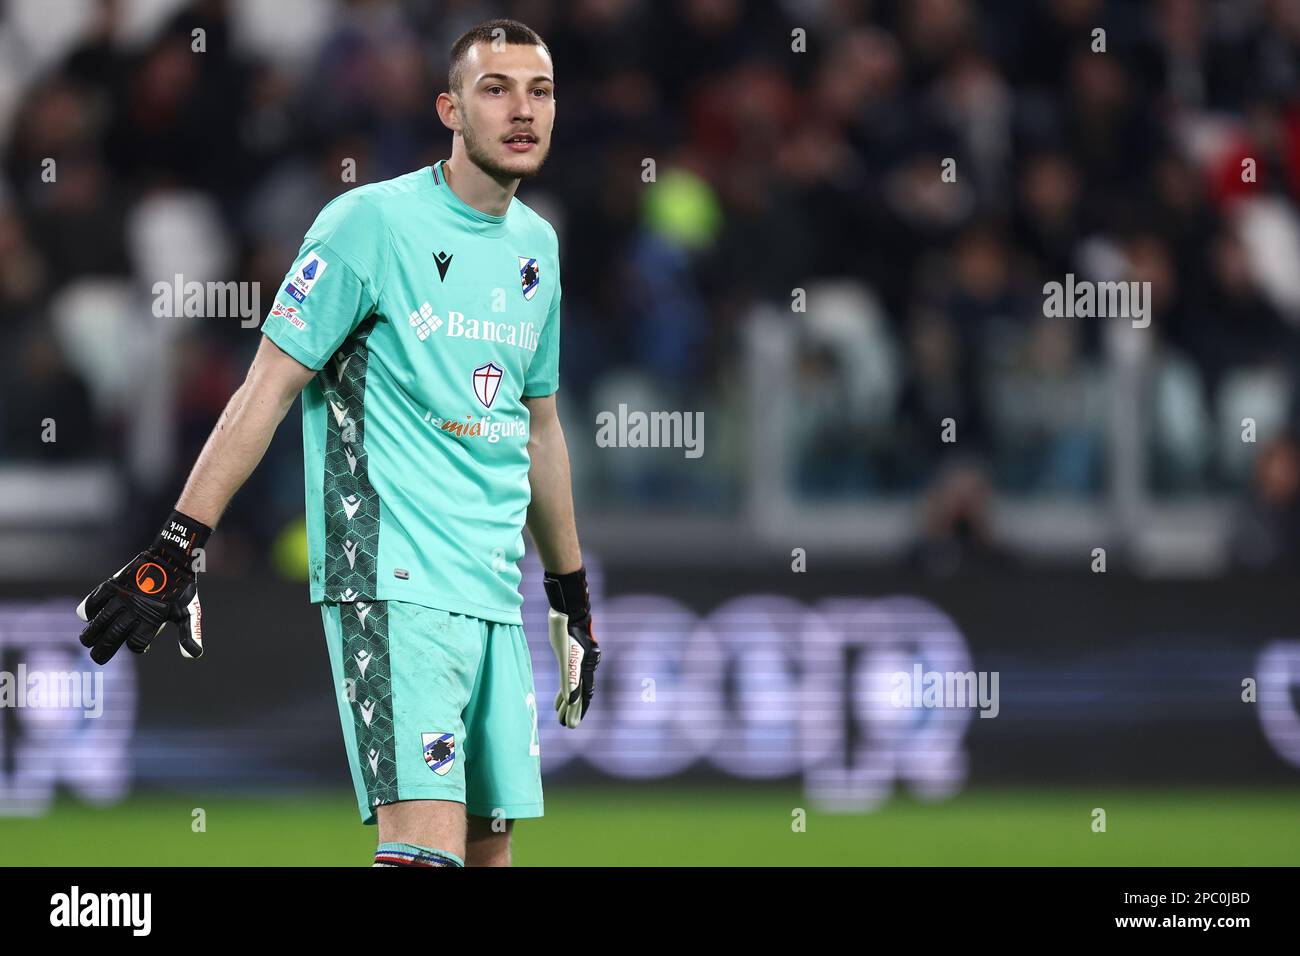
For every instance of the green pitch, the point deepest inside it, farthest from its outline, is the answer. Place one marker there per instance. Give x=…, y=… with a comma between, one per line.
x=673, y=826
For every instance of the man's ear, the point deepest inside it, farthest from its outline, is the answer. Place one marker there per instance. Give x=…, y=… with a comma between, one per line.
x=448, y=111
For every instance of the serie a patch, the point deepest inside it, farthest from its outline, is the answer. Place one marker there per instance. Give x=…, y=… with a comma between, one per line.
x=305, y=276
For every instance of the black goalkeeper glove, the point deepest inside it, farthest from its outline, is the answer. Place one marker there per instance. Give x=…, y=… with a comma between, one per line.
x=574, y=645
x=159, y=585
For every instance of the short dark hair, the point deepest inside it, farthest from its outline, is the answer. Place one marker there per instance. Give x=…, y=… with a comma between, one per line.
x=511, y=32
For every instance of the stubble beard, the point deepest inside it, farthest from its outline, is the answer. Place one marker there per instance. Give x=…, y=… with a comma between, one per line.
x=480, y=157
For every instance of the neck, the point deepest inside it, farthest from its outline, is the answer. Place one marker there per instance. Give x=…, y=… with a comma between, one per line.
x=475, y=187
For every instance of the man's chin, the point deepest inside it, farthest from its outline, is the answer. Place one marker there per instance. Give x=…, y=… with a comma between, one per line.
x=533, y=168
x=512, y=166
x=523, y=167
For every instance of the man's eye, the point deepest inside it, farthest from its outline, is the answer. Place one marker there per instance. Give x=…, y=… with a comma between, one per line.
x=493, y=89
x=542, y=91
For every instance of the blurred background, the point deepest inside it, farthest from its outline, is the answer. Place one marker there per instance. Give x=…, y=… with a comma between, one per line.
x=802, y=272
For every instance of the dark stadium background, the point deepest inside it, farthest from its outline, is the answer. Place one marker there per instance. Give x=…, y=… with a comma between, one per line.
x=753, y=601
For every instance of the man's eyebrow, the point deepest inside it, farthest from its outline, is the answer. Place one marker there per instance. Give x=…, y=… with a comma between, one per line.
x=502, y=76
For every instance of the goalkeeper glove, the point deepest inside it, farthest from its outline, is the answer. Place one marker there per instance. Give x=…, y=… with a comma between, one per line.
x=157, y=586
x=574, y=645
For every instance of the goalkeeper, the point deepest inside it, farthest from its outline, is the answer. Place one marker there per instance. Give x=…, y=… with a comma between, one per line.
x=421, y=322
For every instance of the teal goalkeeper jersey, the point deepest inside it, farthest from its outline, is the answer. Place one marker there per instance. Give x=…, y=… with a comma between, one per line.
x=428, y=322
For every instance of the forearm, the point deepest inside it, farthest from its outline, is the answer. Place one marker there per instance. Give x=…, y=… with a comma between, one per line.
x=551, y=523
x=240, y=437
x=550, y=513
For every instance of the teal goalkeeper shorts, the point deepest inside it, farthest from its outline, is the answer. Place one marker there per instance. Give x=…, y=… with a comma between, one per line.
x=435, y=706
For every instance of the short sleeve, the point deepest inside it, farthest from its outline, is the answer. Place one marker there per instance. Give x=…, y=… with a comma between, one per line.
x=334, y=283
x=544, y=370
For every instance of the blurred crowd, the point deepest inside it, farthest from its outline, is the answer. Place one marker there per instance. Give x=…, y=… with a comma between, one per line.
x=799, y=150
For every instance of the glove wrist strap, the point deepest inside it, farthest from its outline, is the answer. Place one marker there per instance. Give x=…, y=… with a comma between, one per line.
x=568, y=592
x=180, y=536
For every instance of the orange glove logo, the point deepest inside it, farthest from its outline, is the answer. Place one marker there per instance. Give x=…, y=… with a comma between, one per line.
x=150, y=578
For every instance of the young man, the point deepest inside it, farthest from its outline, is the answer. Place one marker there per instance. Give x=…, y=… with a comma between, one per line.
x=422, y=316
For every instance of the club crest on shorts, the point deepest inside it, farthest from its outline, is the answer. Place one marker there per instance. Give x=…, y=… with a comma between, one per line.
x=487, y=379
x=439, y=752
x=529, y=275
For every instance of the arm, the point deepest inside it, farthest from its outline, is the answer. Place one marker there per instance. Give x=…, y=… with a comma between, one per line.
x=242, y=433
x=550, y=513
x=160, y=584
x=551, y=523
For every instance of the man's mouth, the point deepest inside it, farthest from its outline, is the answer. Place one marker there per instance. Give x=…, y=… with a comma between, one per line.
x=521, y=142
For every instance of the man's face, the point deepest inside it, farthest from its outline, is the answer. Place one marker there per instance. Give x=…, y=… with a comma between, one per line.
x=507, y=100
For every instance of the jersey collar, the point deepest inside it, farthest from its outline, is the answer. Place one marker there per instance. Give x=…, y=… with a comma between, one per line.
x=454, y=202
